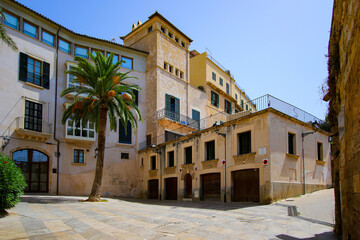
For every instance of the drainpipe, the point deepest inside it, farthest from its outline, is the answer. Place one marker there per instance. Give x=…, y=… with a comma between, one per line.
x=55, y=113
x=223, y=135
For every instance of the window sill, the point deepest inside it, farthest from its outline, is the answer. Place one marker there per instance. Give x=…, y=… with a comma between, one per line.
x=245, y=158
x=292, y=156
x=78, y=164
x=207, y=164
x=170, y=170
x=79, y=140
x=129, y=145
x=321, y=162
x=34, y=85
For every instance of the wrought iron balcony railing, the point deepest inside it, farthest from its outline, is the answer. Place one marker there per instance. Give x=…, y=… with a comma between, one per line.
x=177, y=117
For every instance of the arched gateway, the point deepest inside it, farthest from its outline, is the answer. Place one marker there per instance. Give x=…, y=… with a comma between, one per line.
x=35, y=167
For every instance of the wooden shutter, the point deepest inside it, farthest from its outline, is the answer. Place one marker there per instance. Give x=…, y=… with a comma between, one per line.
x=230, y=110
x=177, y=105
x=46, y=75
x=217, y=100
x=23, y=67
x=167, y=102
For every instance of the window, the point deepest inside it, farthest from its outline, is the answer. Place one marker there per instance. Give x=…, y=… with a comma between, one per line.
x=125, y=135
x=196, y=117
x=30, y=30
x=172, y=107
x=247, y=107
x=171, y=158
x=210, y=150
x=34, y=71
x=244, y=140
x=148, y=140
x=76, y=130
x=176, y=72
x=242, y=104
x=227, y=88
x=214, y=76
x=181, y=75
x=150, y=29
x=165, y=65
x=183, y=44
x=188, y=155
x=162, y=29
x=170, y=68
x=235, y=96
x=291, y=143
x=93, y=51
x=214, y=99
x=124, y=155
x=126, y=62
x=10, y=21
x=170, y=34
x=33, y=116
x=115, y=58
x=320, y=151
x=152, y=162
x=227, y=106
x=176, y=40
x=221, y=81
x=136, y=93
x=47, y=38
x=70, y=77
x=170, y=136
x=78, y=156
x=81, y=51
x=64, y=46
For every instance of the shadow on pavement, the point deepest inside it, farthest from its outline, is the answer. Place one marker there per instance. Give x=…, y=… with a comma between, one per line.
x=47, y=199
x=321, y=236
x=215, y=205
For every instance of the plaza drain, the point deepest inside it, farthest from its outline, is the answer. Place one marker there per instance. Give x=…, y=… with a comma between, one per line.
x=292, y=211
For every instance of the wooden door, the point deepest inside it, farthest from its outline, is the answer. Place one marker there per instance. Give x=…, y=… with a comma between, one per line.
x=246, y=185
x=188, y=186
x=171, y=188
x=153, y=189
x=210, y=184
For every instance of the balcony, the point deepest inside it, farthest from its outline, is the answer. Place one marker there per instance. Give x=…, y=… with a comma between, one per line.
x=32, y=128
x=177, y=118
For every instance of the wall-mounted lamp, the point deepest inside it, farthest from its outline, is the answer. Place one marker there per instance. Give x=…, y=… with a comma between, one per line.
x=96, y=152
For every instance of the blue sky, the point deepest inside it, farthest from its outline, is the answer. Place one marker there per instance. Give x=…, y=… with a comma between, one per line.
x=275, y=47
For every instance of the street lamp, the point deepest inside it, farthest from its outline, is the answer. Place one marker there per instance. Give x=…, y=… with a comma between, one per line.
x=315, y=126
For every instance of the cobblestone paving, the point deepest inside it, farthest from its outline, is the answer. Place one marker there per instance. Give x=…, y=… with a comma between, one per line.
x=54, y=217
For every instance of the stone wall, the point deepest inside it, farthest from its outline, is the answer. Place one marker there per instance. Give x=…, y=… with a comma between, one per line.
x=344, y=84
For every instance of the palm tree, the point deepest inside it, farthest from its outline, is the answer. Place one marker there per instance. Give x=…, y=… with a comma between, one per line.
x=100, y=95
x=3, y=35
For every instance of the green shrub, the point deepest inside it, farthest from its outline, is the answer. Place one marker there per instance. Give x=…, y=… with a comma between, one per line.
x=12, y=183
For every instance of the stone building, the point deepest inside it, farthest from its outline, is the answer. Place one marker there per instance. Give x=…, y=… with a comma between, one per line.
x=202, y=137
x=344, y=114
x=59, y=158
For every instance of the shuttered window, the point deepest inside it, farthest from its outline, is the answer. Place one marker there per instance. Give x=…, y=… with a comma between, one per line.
x=244, y=142
x=214, y=99
x=172, y=106
x=34, y=71
x=124, y=134
x=227, y=106
x=210, y=150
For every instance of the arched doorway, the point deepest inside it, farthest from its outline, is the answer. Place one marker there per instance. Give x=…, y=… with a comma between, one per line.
x=35, y=167
x=188, y=186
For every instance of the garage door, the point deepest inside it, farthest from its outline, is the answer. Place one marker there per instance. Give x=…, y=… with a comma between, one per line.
x=171, y=188
x=210, y=185
x=153, y=188
x=246, y=185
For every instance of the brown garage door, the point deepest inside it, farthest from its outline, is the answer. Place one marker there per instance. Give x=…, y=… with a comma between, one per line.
x=171, y=188
x=246, y=185
x=153, y=188
x=210, y=185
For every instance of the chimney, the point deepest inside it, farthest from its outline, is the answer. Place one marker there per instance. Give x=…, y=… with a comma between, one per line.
x=133, y=26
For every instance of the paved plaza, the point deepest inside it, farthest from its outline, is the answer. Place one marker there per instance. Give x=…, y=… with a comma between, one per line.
x=62, y=217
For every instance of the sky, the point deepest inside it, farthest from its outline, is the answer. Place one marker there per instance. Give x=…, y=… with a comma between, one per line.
x=275, y=47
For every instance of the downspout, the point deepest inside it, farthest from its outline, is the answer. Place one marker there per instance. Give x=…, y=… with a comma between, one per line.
x=188, y=83
x=55, y=112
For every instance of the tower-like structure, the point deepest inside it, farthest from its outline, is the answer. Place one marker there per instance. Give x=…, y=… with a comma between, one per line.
x=170, y=97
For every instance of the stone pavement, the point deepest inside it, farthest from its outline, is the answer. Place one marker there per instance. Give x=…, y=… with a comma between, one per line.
x=62, y=217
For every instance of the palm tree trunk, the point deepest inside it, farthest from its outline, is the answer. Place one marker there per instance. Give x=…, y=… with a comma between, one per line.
x=96, y=187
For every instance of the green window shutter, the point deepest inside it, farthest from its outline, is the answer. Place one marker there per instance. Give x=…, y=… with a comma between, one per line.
x=46, y=75
x=212, y=98
x=23, y=67
x=230, y=110
x=195, y=115
x=242, y=104
x=217, y=100
x=167, y=102
x=177, y=105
